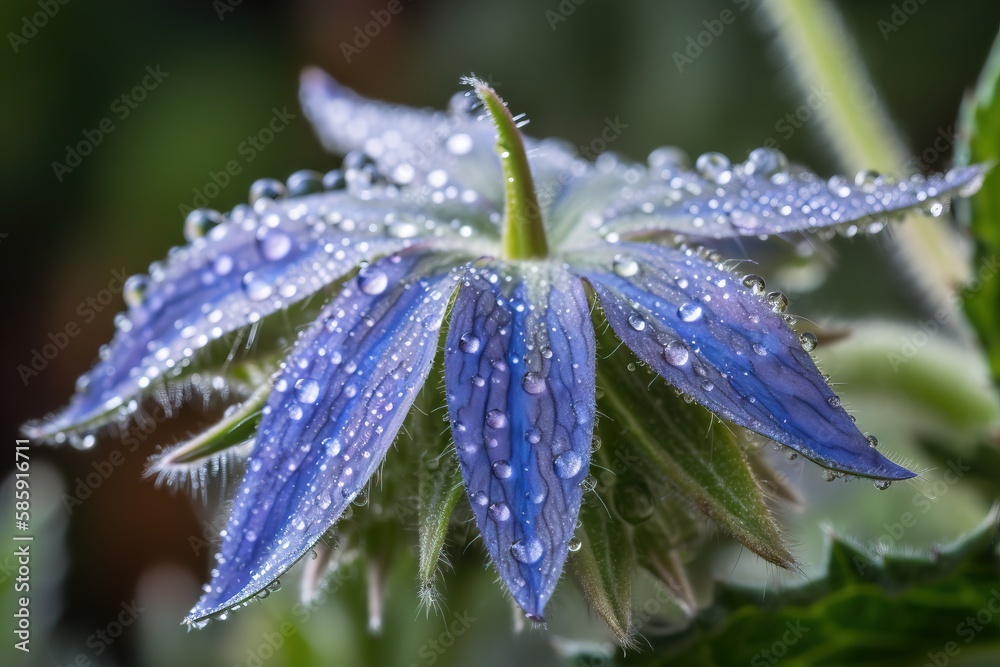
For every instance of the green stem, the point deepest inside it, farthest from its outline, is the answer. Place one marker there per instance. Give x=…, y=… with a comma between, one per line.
x=523, y=227
x=823, y=54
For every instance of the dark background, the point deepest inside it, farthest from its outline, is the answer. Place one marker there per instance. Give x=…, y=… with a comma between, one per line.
x=120, y=207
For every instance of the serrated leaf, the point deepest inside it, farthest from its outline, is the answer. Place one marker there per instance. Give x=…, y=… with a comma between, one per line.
x=980, y=122
x=867, y=610
x=677, y=443
x=604, y=566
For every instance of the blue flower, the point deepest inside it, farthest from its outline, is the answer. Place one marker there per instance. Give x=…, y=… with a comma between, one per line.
x=455, y=216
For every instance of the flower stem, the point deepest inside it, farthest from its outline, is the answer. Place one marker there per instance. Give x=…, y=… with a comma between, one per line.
x=523, y=227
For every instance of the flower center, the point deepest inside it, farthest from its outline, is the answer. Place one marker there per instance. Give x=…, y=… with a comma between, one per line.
x=523, y=235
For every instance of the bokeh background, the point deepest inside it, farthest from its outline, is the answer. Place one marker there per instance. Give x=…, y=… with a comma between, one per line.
x=229, y=65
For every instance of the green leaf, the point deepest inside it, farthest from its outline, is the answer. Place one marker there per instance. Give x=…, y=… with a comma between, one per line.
x=682, y=446
x=867, y=610
x=604, y=566
x=980, y=127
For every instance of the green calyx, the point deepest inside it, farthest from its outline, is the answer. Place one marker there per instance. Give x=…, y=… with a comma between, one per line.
x=523, y=235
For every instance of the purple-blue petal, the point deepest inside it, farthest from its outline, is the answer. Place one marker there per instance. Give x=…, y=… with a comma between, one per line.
x=748, y=199
x=519, y=375
x=253, y=264
x=335, y=409
x=714, y=340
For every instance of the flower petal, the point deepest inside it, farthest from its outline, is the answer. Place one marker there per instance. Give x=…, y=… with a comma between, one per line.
x=708, y=336
x=433, y=149
x=748, y=199
x=251, y=265
x=334, y=411
x=519, y=373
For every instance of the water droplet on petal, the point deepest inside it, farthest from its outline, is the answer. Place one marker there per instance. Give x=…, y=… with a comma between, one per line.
x=499, y=512
x=766, y=162
x=574, y=545
x=274, y=244
x=625, y=266
x=568, y=464
x=689, y=312
x=636, y=321
x=777, y=301
x=502, y=469
x=199, y=222
x=527, y=551
x=468, y=343
x=714, y=167
x=334, y=180
x=307, y=390
x=304, y=182
x=134, y=291
x=267, y=188
x=675, y=353
x=496, y=419
x=754, y=283
x=372, y=280
x=808, y=341
x=834, y=401
x=480, y=498
x=256, y=288
x=882, y=484
x=872, y=440
x=533, y=383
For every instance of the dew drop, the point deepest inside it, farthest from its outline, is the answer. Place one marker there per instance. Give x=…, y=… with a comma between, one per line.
x=134, y=291
x=689, y=312
x=568, y=464
x=502, y=469
x=872, y=440
x=777, y=301
x=533, y=383
x=295, y=411
x=714, y=167
x=199, y=222
x=480, y=498
x=468, y=343
x=307, y=390
x=527, y=551
x=766, y=162
x=636, y=321
x=372, y=280
x=759, y=349
x=459, y=144
x=574, y=545
x=624, y=266
x=499, y=512
x=675, y=353
x=496, y=419
x=274, y=244
x=304, y=182
x=267, y=188
x=882, y=484
x=834, y=401
x=334, y=180
x=256, y=288
x=754, y=283
x=808, y=341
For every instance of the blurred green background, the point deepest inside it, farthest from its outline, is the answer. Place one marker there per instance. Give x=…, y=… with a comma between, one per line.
x=227, y=66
